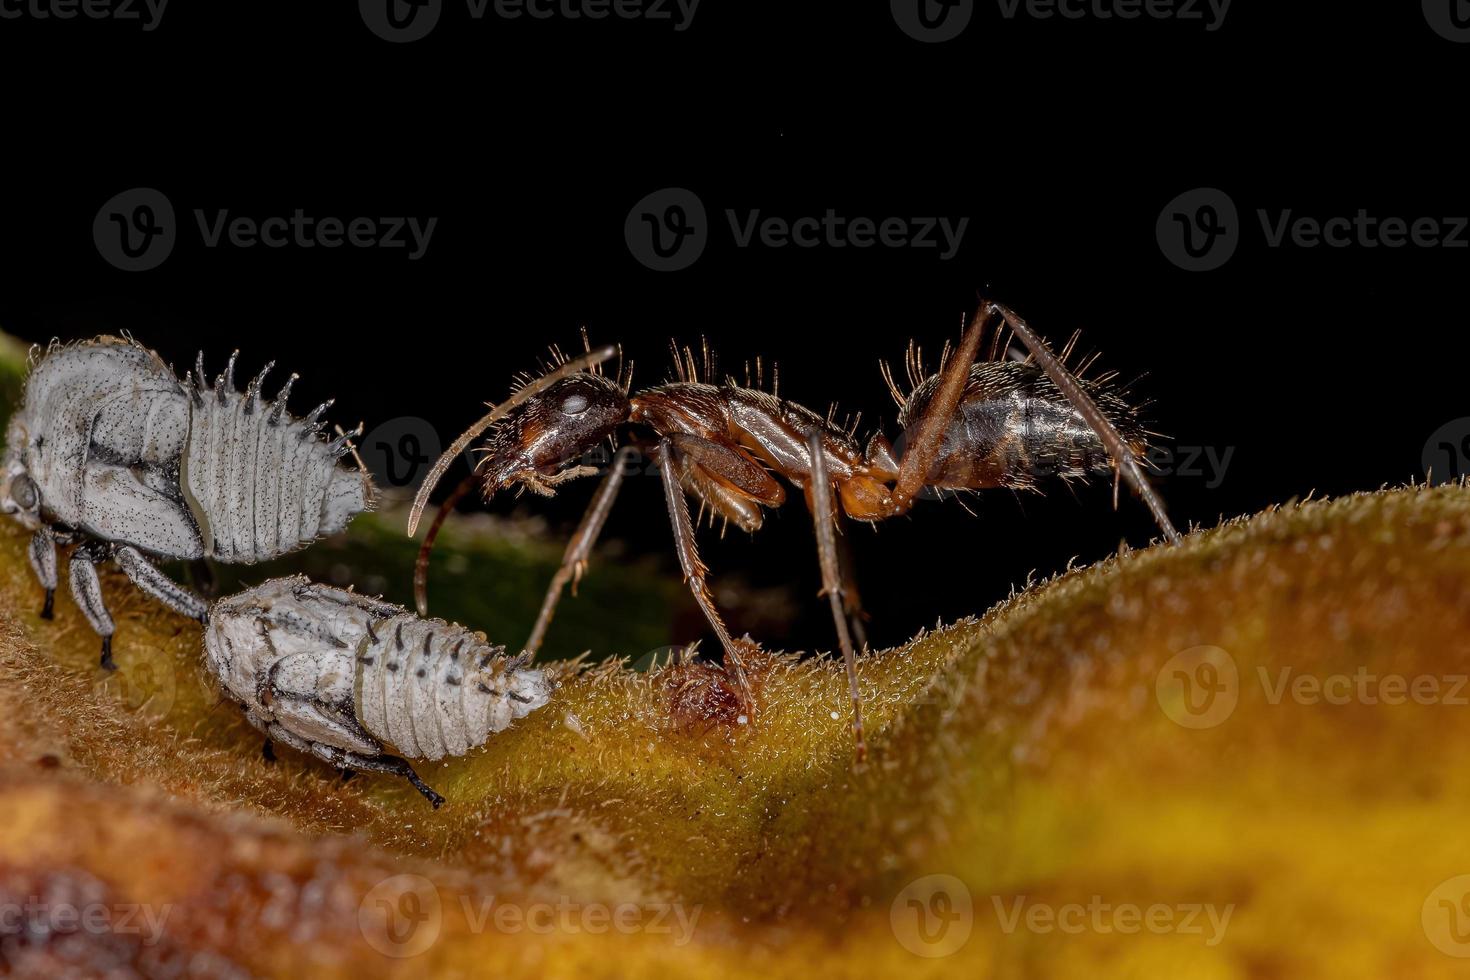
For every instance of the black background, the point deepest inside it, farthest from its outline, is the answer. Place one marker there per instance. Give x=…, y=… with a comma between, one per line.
x=1320, y=369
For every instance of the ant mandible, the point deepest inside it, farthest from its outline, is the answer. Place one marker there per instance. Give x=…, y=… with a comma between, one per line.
x=970, y=426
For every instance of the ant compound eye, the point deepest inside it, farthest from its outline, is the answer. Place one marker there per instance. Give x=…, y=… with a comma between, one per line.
x=574, y=405
x=23, y=492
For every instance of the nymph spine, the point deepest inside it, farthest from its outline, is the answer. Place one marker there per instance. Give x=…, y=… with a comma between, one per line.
x=258, y=481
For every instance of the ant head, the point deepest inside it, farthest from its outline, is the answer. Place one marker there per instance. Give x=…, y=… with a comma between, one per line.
x=552, y=430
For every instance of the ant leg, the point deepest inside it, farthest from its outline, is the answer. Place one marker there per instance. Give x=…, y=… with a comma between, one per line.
x=1067, y=384
x=819, y=493
x=852, y=601
x=421, y=564
x=146, y=576
x=579, y=549
x=694, y=569
x=918, y=455
x=42, y=553
x=86, y=588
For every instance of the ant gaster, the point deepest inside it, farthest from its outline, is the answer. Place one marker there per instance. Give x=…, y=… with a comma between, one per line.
x=970, y=426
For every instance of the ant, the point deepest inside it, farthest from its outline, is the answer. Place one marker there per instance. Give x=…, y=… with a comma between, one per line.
x=969, y=426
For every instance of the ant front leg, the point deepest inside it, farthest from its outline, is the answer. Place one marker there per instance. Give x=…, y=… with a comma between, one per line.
x=579, y=549
x=819, y=493
x=694, y=569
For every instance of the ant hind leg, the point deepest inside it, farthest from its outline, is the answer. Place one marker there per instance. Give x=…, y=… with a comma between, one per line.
x=1068, y=385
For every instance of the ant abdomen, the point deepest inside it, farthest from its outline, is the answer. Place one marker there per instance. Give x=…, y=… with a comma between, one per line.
x=1014, y=428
